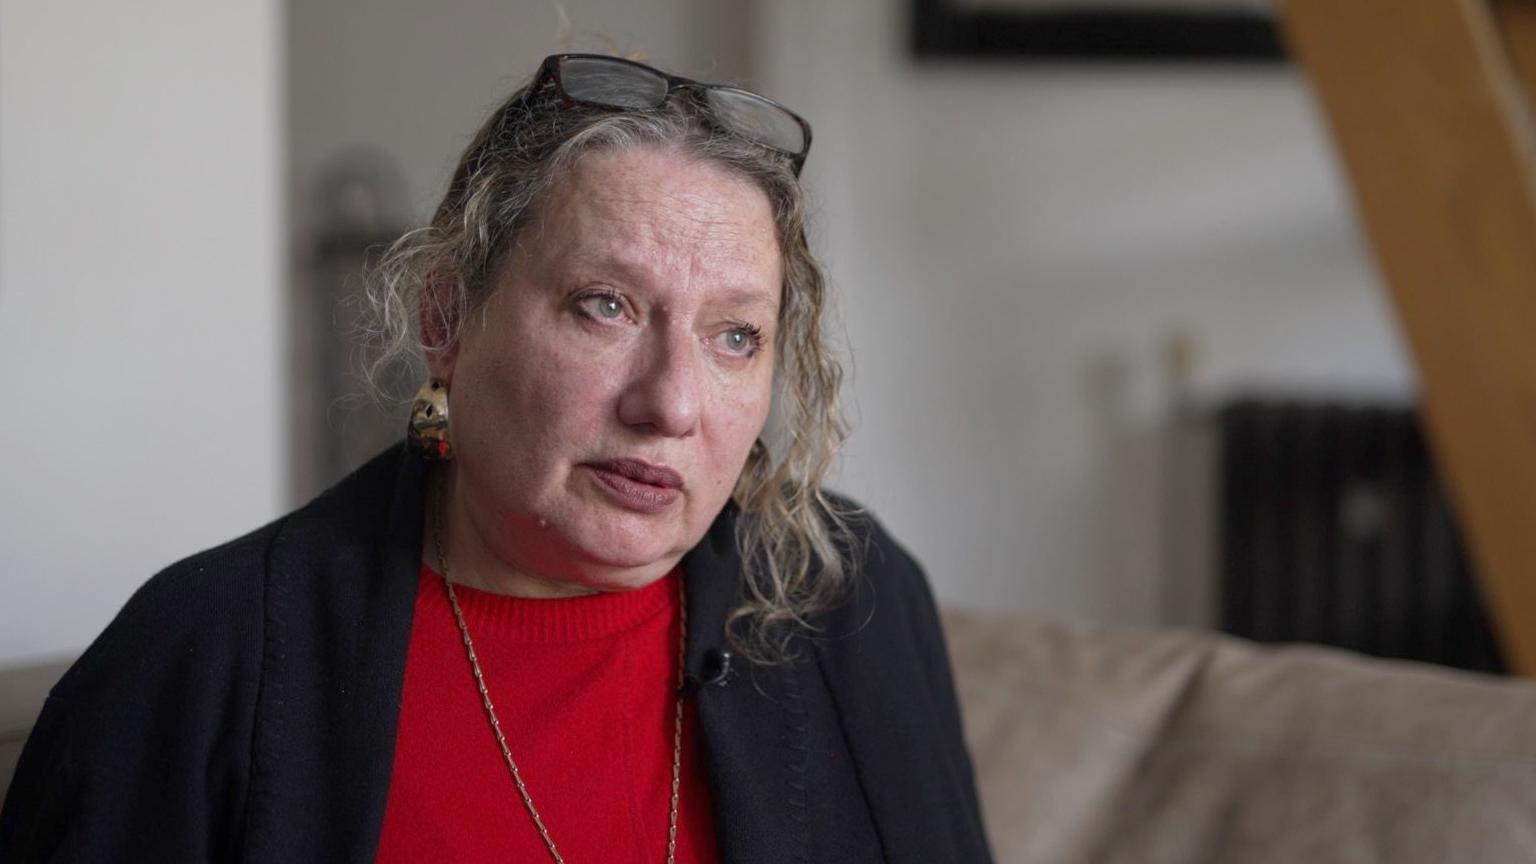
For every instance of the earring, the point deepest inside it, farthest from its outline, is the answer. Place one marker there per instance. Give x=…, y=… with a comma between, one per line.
x=427, y=433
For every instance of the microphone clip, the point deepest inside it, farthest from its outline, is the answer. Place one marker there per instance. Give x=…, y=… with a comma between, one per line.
x=716, y=672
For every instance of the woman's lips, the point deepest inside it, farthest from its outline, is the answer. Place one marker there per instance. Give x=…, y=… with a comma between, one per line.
x=636, y=485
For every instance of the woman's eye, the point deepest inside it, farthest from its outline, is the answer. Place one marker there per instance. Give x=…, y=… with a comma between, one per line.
x=605, y=307
x=742, y=340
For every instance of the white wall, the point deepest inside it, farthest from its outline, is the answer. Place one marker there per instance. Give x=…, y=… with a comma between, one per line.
x=414, y=80
x=140, y=353
x=1014, y=246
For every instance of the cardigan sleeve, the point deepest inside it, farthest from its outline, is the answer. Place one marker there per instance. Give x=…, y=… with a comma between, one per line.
x=884, y=656
x=929, y=634
x=142, y=750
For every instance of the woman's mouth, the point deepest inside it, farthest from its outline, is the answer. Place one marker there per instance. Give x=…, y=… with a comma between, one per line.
x=637, y=485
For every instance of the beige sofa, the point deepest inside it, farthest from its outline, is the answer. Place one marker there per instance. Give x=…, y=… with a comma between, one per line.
x=1104, y=746
x=22, y=691
x=1101, y=746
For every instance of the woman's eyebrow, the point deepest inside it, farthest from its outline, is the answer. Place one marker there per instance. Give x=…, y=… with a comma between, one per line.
x=603, y=262
x=750, y=298
x=608, y=264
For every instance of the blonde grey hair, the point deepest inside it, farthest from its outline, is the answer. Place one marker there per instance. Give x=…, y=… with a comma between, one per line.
x=794, y=540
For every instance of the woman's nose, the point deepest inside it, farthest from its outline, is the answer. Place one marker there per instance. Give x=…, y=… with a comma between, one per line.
x=663, y=393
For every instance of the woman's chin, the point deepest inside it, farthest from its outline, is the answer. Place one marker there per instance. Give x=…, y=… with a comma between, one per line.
x=623, y=537
x=619, y=552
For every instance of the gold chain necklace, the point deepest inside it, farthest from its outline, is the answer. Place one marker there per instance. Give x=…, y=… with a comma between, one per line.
x=501, y=739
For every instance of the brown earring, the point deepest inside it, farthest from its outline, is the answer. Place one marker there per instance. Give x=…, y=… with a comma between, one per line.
x=427, y=433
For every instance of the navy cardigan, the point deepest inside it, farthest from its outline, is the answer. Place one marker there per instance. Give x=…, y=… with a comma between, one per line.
x=242, y=707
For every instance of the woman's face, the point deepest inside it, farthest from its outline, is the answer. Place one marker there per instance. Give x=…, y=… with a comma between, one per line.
x=605, y=398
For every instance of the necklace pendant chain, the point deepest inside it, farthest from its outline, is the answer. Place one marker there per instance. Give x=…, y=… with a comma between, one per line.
x=501, y=738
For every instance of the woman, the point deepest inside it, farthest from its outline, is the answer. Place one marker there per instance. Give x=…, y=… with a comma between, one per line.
x=591, y=615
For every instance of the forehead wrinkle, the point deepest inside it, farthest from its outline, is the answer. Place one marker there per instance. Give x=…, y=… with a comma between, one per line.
x=678, y=245
x=645, y=227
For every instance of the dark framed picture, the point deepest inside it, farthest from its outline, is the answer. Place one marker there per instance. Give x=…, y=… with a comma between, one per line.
x=1231, y=30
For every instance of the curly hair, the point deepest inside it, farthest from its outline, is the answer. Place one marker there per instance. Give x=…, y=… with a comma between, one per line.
x=793, y=538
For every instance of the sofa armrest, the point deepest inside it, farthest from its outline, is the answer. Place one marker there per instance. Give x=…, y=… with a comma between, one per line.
x=23, y=689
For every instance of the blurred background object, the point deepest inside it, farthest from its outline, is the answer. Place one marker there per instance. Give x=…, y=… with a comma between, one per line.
x=359, y=207
x=1335, y=530
x=1098, y=30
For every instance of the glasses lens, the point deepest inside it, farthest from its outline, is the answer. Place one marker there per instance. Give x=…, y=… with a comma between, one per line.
x=754, y=117
x=606, y=82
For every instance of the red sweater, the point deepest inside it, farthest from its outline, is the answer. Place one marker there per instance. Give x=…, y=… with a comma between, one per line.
x=584, y=688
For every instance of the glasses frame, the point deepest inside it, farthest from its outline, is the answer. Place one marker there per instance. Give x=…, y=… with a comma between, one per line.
x=549, y=73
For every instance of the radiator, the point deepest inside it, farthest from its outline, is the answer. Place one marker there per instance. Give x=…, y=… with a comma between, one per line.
x=1334, y=529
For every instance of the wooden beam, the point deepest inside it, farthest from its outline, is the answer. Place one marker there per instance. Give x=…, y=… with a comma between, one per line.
x=1516, y=22
x=1428, y=108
